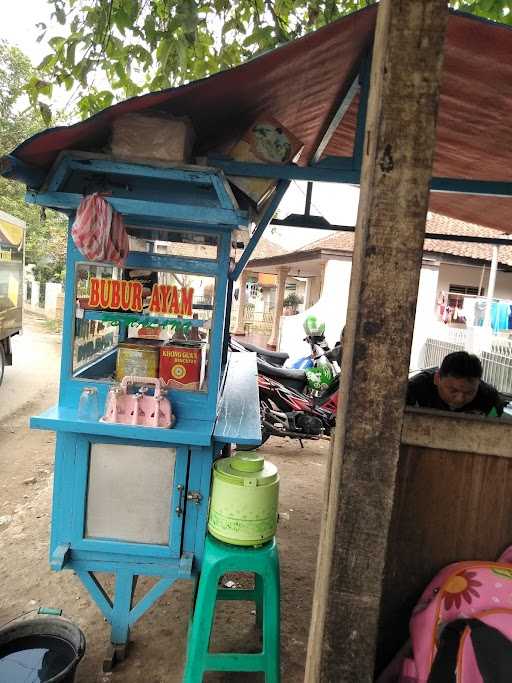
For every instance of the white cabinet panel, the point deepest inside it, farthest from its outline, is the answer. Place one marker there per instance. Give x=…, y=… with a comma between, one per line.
x=129, y=493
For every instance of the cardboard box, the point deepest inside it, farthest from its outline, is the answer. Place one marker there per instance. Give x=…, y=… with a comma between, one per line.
x=144, y=137
x=180, y=365
x=265, y=142
x=138, y=358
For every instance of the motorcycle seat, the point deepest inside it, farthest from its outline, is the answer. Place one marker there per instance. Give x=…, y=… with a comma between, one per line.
x=296, y=379
x=278, y=356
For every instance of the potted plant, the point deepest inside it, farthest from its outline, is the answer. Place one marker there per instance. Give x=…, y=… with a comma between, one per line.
x=291, y=302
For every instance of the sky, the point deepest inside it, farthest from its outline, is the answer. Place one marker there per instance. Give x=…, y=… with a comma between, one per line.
x=336, y=203
x=18, y=25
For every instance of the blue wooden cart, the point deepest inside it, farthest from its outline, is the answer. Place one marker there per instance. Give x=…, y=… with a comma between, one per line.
x=132, y=500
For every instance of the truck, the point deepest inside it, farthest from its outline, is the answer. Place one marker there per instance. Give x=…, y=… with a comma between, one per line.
x=12, y=243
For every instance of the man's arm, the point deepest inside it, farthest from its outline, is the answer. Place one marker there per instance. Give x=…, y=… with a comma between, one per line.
x=500, y=403
x=412, y=398
x=494, y=401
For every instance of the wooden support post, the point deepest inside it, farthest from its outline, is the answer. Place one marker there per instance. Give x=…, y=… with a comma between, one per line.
x=397, y=166
x=242, y=300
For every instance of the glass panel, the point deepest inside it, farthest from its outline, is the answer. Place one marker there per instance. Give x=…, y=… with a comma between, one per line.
x=129, y=494
x=173, y=243
x=136, y=321
x=94, y=340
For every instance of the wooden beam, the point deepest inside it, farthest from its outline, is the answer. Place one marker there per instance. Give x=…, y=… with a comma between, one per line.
x=336, y=118
x=396, y=172
x=458, y=432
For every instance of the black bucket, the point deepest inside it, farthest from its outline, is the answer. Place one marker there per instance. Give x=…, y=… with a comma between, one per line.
x=41, y=650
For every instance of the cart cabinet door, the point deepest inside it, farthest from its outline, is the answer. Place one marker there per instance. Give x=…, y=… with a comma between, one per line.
x=134, y=498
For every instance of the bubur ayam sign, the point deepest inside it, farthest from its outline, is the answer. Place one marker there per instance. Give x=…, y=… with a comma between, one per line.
x=126, y=295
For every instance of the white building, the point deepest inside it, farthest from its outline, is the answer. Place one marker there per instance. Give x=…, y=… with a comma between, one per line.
x=455, y=272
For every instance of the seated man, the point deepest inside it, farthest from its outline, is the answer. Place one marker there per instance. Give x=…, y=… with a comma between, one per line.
x=456, y=386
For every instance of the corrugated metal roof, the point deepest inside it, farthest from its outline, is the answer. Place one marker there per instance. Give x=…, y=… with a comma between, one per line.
x=300, y=84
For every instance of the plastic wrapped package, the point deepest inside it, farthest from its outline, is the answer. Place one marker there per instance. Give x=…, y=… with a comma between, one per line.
x=152, y=138
x=99, y=232
x=265, y=142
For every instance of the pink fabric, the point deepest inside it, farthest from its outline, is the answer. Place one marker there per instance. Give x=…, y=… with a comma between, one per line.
x=476, y=590
x=98, y=231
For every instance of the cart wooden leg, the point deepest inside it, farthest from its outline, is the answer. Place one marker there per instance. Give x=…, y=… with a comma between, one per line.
x=125, y=588
x=113, y=655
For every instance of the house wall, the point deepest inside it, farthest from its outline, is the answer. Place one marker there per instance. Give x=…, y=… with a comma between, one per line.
x=425, y=311
x=462, y=274
x=332, y=309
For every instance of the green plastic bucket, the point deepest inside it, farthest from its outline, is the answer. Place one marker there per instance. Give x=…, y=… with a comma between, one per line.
x=243, y=505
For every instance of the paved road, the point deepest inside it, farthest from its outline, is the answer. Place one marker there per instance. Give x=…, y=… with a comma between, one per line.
x=34, y=373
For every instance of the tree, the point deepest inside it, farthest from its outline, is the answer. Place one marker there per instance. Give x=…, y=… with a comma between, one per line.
x=46, y=240
x=135, y=46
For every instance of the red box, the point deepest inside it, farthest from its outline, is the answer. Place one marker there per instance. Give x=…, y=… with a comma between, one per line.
x=180, y=366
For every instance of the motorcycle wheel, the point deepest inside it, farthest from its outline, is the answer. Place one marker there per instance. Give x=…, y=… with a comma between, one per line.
x=265, y=434
x=244, y=447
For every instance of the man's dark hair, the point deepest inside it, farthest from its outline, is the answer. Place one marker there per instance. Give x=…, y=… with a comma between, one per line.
x=461, y=364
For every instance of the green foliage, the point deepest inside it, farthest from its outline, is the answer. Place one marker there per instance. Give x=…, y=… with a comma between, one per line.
x=138, y=46
x=496, y=10
x=46, y=240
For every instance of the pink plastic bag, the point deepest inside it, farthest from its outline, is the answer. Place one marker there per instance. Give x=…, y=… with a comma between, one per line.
x=469, y=590
x=98, y=231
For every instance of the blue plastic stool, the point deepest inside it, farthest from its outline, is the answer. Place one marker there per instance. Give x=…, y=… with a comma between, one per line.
x=219, y=559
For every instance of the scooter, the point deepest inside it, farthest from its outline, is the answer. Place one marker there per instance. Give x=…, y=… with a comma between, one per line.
x=277, y=358
x=289, y=408
x=318, y=345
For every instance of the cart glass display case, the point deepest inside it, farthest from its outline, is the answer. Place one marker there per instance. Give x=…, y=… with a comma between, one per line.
x=143, y=322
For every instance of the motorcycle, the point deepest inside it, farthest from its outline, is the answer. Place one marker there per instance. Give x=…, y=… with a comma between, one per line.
x=318, y=345
x=277, y=358
x=290, y=405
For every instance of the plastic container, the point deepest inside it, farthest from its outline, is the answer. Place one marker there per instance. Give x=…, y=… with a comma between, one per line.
x=243, y=506
x=88, y=405
x=44, y=649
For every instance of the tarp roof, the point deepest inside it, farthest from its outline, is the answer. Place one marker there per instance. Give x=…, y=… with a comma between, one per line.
x=300, y=84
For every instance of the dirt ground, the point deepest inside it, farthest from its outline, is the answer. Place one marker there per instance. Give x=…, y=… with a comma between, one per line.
x=158, y=644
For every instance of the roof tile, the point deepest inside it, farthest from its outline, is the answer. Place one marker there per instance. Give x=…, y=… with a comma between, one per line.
x=436, y=223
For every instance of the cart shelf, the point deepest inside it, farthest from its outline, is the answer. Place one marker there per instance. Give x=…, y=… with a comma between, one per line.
x=187, y=431
x=239, y=409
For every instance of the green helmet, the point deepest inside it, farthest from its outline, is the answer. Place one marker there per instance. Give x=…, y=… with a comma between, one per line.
x=313, y=327
x=320, y=377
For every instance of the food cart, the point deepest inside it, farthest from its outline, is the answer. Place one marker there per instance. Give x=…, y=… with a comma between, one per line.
x=385, y=505
x=130, y=497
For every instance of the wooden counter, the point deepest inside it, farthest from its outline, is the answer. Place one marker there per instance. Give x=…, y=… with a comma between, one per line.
x=453, y=502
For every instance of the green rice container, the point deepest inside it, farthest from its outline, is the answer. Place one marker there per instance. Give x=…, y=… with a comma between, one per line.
x=243, y=505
